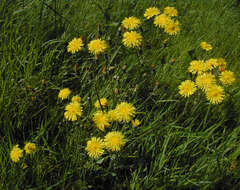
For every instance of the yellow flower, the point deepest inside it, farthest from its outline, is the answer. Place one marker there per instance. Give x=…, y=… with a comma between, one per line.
x=206, y=46
x=211, y=63
x=136, y=122
x=97, y=46
x=16, y=153
x=64, y=93
x=75, y=45
x=73, y=110
x=29, y=148
x=170, y=11
x=114, y=141
x=101, y=120
x=161, y=20
x=131, y=23
x=227, y=77
x=95, y=147
x=132, y=39
x=196, y=66
x=113, y=115
x=76, y=99
x=205, y=80
x=172, y=28
x=151, y=12
x=125, y=112
x=221, y=62
x=215, y=94
x=103, y=102
x=187, y=88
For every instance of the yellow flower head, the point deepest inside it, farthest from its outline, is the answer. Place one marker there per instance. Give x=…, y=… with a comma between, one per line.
x=75, y=45
x=101, y=120
x=161, y=20
x=113, y=115
x=206, y=46
x=125, y=112
x=227, y=77
x=73, y=110
x=196, y=66
x=103, y=102
x=135, y=122
x=29, y=148
x=97, y=46
x=76, y=99
x=211, y=63
x=95, y=147
x=170, y=11
x=114, y=141
x=215, y=94
x=131, y=23
x=64, y=93
x=151, y=12
x=172, y=28
x=132, y=39
x=16, y=153
x=187, y=88
x=205, y=80
x=221, y=62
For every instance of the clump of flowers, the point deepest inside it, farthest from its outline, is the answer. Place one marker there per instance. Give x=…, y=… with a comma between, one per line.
x=73, y=110
x=151, y=12
x=103, y=102
x=132, y=39
x=95, y=147
x=75, y=45
x=206, y=46
x=29, y=148
x=131, y=23
x=64, y=93
x=16, y=153
x=114, y=141
x=97, y=46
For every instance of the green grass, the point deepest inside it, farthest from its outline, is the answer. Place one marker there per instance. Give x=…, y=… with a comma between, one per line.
x=181, y=143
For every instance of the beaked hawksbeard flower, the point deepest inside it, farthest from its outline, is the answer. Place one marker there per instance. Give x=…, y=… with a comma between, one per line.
x=64, y=93
x=132, y=39
x=211, y=63
x=29, y=148
x=206, y=46
x=75, y=45
x=73, y=110
x=170, y=11
x=131, y=23
x=16, y=153
x=215, y=94
x=95, y=147
x=101, y=120
x=196, y=66
x=97, y=46
x=221, y=62
x=227, y=77
x=172, y=27
x=113, y=115
x=135, y=122
x=103, y=102
x=76, y=99
x=187, y=88
x=151, y=12
x=126, y=112
x=161, y=20
x=205, y=80
x=114, y=141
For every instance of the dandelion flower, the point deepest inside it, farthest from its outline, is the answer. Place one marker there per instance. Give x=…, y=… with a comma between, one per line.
x=97, y=46
x=29, y=148
x=206, y=46
x=205, y=80
x=125, y=112
x=95, y=147
x=161, y=20
x=215, y=94
x=64, y=93
x=16, y=153
x=187, y=88
x=227, y=77
x=131, y=23
x=101, y=120
x=151, y=12
x=196, y=66
x=76, y=99
x=172, y=28
x=73, y=110
x=114, y=141
x=103, y=102
x=170, y=11
x=136, y=122
x=132, y=39
x=113, y=115
x=75, y=45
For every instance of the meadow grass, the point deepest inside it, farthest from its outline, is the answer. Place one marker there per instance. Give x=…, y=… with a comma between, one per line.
x=182, y=143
